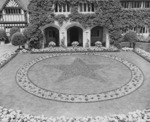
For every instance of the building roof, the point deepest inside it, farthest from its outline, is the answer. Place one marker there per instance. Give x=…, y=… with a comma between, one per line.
x=22, y=3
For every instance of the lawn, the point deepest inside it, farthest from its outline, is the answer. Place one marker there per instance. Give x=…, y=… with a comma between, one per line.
x=52, y=74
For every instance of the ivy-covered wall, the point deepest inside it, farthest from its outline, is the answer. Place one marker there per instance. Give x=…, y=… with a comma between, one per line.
x=109, y=14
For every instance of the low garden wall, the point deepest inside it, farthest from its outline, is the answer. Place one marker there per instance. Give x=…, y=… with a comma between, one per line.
x=143, y=45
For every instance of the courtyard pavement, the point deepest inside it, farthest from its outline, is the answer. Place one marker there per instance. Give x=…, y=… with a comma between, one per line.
x=7, y=48
x=12, y=96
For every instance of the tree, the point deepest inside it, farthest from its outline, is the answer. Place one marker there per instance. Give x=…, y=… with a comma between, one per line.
x=131, y=37
x=14, y=30
x=18, y=39
x=34, y=36
x=3, y=36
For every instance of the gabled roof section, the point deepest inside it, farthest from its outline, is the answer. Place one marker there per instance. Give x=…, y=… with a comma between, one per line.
x=22, y=3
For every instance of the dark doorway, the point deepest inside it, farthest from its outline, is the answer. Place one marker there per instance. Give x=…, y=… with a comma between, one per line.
x=52, y=34
x=75, y=34
x=96, y=35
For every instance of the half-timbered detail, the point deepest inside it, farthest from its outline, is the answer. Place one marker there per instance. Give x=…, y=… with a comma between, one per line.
x=13, y=15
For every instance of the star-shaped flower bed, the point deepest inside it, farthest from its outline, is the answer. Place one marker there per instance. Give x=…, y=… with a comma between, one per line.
x=78, y=68
x=75, y=69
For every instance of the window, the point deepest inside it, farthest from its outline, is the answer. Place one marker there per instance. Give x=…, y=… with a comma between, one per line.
x=62, y=8
x=125, y=4
x=131, y=4
x=147, y=4
x=13, y=11
x=136, y=4
x=86, y=7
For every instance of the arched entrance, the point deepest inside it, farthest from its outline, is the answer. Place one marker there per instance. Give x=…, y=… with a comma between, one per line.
x=75, y=34
x=51, y=34
x=96, y=35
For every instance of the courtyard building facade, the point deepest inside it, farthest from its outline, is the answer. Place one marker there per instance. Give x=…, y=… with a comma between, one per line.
x=15, y=13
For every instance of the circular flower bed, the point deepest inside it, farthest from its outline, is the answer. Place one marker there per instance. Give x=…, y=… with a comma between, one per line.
x=25, y=83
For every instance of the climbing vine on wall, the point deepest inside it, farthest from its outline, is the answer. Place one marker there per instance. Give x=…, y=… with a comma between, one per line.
x=108, y=14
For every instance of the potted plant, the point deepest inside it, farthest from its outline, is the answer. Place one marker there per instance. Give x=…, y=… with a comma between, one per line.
x=75, y=43
x=98, y=44
x=52, y=44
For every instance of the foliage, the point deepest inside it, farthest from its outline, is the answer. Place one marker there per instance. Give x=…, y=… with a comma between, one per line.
x=116, y=35
x=3, y=36
x=42, y=13
x=14, y=30
x=18, y=39
x=34, y=35
x=131, y=36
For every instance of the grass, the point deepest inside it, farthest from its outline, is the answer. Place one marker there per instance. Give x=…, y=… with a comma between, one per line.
x=12, y=96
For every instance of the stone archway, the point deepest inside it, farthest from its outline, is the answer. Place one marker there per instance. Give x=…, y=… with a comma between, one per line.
x=51, y=34
x=75, y=33
x=96, y=35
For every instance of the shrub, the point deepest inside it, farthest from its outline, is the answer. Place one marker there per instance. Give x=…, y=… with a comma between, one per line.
x=131, y=37
x=116, y=38
x=13, y=30
x=3, y=36
x=34, y=36
x=18, y=39
x=116, y=35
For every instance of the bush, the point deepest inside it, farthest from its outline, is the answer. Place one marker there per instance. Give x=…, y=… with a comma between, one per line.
x=116, y=35
x=3, y=36
x=13, y=30
x=131, y=37
x=18, y=39
x=34, y=36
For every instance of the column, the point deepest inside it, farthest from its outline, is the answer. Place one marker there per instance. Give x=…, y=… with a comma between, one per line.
x=63, y=35
x=107, y=38
x=86, y=37
x=44, y=39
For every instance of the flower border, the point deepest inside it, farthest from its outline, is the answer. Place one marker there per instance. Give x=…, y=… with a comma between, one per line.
x=144, y=54
x=10, y=115
x=26, y=84
x=74, y=50
x=6, y=58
